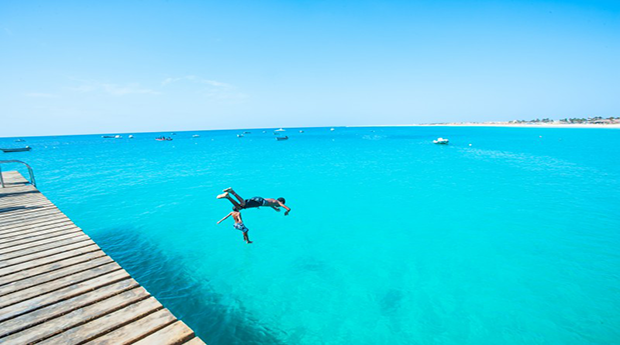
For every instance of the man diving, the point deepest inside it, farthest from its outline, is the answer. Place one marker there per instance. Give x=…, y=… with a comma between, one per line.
x=256, y=201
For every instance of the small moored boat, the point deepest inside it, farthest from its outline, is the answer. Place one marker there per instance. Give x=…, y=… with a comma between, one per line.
x=441, y=141
x=17, y=149
x=282, y=138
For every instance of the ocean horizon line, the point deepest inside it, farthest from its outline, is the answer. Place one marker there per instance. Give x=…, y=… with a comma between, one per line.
x=446, y=124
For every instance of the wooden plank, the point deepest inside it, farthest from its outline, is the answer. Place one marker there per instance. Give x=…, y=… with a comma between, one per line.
x=36, y=281
x=28, y=228
x=59, y=295
x=175, y=333
x=34, y=223
x=63, y=307
x=31, y=243
x=29, y=231
x=42, y=248
x=33, y=234
x=32, y=207
x=194, y=341
x=37, y=238
x=30, y=196
x=27, y=207
x=32, y=217
x=36, y=262
x=27, y=214
x=49, y=267
x=106, y=323
x=58, y=284
x=137, y=330
x=77, y=317
x=20, y=202
x=17, y=196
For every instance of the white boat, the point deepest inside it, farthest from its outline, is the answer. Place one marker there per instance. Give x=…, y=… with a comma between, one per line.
x=195, y=136
x=331, y=129
x=442, y=141
x=239, y=135
x=280, y=130
x=130, y=136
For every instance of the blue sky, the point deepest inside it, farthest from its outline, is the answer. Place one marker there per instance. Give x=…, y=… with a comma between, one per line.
x=134, y=66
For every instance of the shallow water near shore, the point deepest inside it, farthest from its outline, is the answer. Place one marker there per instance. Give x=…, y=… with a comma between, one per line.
x=391, y=239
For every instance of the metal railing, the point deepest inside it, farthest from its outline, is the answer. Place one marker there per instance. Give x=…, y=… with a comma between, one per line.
x=32, y=181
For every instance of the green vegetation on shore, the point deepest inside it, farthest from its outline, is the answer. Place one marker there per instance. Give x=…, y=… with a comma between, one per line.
x=589, y=120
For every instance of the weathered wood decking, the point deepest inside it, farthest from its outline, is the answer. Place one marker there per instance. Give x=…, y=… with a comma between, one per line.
x=58, y=287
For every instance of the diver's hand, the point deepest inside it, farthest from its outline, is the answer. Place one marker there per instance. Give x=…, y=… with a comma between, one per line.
x=286, y=213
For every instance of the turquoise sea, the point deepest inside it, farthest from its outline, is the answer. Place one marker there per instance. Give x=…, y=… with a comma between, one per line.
x=391, y=239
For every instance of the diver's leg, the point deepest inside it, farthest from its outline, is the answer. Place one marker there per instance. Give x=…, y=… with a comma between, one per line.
x=241, y=200
x=226, y=196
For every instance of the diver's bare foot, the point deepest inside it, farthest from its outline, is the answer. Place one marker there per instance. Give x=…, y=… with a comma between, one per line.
x=222, y=196
x=248, y=242
x=227, y=189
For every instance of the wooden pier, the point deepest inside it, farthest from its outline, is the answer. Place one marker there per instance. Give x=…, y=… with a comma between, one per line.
x=58, y=287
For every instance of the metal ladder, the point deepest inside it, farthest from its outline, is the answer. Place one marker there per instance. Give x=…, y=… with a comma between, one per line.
x=32, y=181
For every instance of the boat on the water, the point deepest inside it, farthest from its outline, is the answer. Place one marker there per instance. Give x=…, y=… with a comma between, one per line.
x=332, y=129
x=111, y=136
x=247, y=132
x=130, y=136
x=195, y=136
x=441, y=141
x=239, y=135
x=19, y=140
x=163, y=139
x=280, y=130
x=17, y=149
x=282, y=138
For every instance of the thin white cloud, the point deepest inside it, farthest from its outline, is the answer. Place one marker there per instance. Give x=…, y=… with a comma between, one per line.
x=195, y=79
x=122, y=90
x=225, y=95
x=113, y=89
x=40, y=95
x=83, y=88
x=209, y=88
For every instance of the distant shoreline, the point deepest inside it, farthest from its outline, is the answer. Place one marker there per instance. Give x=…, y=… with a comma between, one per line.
x=506, y=124
x=447, y=124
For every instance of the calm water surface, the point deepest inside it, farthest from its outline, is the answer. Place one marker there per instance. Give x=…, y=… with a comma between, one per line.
x=392, y=240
